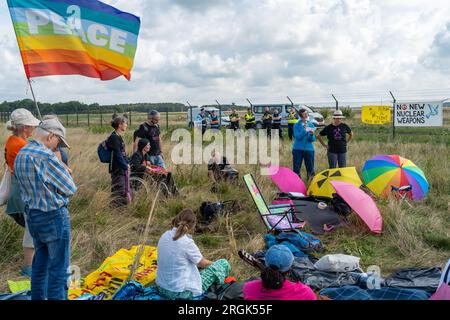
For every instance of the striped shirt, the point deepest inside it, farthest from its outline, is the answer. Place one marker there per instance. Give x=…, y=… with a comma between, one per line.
x=45, y=184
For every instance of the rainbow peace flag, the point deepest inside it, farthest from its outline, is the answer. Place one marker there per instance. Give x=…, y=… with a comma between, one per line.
x=85, y=37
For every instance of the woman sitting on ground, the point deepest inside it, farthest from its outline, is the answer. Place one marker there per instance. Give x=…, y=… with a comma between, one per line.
x=179, y=258
x=140, y=167
x=273, y=284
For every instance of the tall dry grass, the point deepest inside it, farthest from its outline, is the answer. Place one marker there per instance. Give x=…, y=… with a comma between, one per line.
x=417, y=236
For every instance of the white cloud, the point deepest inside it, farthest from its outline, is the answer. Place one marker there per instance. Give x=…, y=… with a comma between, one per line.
x=231, y=49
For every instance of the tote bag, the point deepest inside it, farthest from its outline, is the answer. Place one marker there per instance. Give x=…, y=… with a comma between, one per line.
x=5, y=187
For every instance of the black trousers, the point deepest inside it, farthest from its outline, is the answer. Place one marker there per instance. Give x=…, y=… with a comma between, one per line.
x=280, y=130
x=234, y=125
x=291, y=131
x=249, y=126
x=268, y=127
x=118, y=189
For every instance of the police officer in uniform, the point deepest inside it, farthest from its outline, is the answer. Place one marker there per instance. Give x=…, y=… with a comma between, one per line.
x=215, y=124
x=292, y=119
x=267, y=121
x=276, y=122
x=201, y=120
x=234, y=120
x=250, y=119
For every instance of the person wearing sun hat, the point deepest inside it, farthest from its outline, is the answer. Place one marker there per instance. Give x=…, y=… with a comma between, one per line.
x=273, y=284
x=45, y=187
x=22, y=125
x=336, y=132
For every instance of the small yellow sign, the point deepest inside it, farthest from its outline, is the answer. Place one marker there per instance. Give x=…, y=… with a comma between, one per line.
x=376, y=114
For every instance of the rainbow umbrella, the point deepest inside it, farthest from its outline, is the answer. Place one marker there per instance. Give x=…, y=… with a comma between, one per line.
x=383, y=172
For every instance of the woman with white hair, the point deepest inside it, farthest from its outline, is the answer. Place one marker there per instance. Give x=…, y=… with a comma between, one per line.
x=22, y=125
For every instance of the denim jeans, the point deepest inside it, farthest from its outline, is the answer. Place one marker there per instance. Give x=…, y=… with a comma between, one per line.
x=157, y=161
x=308, y=157
x=337, y=158
x=51, y=236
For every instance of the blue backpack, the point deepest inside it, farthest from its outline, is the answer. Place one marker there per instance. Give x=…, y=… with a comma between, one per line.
x=104, y=153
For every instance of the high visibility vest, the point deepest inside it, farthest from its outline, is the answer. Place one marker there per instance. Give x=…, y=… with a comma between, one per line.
x=267, y=117
x=292, y=118
x=250, y=118
x=234, y=116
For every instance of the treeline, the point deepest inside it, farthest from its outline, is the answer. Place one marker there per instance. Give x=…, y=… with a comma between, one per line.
x=72, y=107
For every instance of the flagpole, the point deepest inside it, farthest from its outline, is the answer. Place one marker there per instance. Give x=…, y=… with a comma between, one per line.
x=34, y=98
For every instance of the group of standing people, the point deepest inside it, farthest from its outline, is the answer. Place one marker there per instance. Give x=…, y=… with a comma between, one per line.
x=147, y=158
x=41, y=184
x=305, y=135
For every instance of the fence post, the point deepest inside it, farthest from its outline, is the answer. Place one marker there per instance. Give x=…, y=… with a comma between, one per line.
x=101, y=118
x=129, y=117
x=89, y=122
x=67, y=119
x=77, y=117
x=167, y=119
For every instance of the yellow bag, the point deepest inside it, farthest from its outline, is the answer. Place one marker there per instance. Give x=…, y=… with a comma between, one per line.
x=115, y=270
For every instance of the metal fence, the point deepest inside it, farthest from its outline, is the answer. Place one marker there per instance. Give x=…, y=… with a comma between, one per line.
x=104, y=119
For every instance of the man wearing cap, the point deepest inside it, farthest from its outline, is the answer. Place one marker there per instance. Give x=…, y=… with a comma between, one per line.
x=46, y=185
x=273, y=284
x=336, y=133
x=150, y=130
x=201, y=120
x=215, y=123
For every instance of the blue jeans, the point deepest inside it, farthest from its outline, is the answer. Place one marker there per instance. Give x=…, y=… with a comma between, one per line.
x=337, y=158
x=51, y=237
x=308, y=157
x=157, y=161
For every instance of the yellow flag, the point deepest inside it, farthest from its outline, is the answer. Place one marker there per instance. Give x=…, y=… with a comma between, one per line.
x=376, y=114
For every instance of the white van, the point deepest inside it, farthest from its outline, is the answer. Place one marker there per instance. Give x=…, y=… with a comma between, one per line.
x=258, y=109
x=196, y=111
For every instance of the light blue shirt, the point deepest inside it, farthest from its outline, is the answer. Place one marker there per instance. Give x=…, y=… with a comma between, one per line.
x=303, y=140
x=45, y=183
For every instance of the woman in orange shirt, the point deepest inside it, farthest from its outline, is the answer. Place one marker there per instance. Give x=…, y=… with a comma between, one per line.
x=22, y=124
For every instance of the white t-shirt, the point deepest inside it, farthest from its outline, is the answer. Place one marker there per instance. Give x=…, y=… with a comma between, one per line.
x=177, y=264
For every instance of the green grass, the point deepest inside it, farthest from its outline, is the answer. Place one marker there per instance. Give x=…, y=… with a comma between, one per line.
x=412, y=237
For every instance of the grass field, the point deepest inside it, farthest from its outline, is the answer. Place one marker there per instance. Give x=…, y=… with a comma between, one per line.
x=412, y=237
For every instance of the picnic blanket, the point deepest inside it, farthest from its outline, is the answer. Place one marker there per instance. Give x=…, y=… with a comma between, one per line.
x=424, y=279
x=386, y=293
x=133, y=290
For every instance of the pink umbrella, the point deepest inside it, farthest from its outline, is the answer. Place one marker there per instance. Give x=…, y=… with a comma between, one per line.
x=287, y=180
x=361, y=203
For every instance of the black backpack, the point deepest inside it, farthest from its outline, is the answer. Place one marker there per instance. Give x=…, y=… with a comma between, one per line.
x=210, y=210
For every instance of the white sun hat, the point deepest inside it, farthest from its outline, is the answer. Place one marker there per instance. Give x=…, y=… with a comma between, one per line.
x=23, y=117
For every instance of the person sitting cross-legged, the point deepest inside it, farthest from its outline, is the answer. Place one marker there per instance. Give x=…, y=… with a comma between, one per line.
x=273, y=284
x=179, y=260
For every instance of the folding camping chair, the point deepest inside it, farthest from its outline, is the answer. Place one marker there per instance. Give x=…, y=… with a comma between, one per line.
x=275, y=217
x=402, y=193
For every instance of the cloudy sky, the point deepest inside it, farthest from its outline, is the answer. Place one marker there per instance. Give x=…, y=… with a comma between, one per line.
x=203, y=50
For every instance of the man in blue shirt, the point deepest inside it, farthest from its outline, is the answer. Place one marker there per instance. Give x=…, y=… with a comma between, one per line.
x=46, y=185
x=201, y=120
x=303, y=148
x=215, y=123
